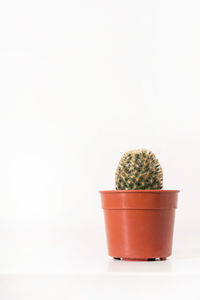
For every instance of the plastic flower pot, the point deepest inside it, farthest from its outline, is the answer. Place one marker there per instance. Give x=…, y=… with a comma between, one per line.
x=139, y=223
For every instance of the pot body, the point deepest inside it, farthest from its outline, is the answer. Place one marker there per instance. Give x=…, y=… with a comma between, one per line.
x=139, y=223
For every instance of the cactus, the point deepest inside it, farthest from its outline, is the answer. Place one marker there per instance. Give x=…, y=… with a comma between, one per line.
x=139, y=170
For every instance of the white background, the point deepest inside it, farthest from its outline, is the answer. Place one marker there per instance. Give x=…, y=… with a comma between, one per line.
x=82, y=82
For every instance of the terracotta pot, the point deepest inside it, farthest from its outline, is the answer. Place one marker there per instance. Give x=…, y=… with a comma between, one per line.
x=139, y=223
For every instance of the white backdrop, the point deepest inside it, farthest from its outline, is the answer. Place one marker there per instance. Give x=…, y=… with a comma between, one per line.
x=82, y=82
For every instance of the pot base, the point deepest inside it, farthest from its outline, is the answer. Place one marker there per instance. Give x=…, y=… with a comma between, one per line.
x=140, y=259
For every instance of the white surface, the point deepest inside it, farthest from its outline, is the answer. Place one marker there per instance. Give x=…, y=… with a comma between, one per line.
x=99, y=287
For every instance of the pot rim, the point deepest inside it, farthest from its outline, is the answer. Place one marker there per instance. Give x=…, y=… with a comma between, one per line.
x=139, y=199
x=139, y=191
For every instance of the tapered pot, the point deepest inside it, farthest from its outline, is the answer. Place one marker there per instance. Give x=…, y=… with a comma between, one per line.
x=139, y=223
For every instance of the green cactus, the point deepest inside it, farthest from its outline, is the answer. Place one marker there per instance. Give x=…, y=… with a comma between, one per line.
x=139, y=170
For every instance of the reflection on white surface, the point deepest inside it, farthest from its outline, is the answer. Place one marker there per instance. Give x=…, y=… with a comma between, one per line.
x=183, y=260
x=139, y=266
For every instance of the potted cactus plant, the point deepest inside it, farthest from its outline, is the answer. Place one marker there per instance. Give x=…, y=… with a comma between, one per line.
x=139, y=214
